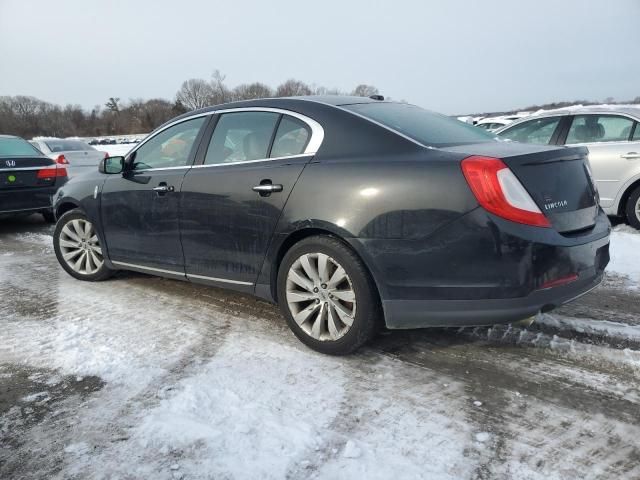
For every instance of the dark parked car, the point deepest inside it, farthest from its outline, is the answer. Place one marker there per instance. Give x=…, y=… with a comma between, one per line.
x=346, y=211
x=28, y=178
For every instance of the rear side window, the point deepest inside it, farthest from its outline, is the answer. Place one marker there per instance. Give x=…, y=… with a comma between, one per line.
x=538, y=131
x=599, y=128
x=425, y=127
x=636, y=134
x=291, y=138
x=16, y=147
x=67, y=146
x=241, y=136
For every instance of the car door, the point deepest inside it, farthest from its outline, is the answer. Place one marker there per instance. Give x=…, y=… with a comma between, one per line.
x=232, y=201
x=612, y=156
x=139, y=209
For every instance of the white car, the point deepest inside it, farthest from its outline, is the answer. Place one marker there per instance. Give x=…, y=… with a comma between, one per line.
x=77, y=155
x=493, y=124
x=612, y=135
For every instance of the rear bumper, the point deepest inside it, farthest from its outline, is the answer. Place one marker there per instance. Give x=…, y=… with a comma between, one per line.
x=451, y=313
x=27, y=199
x=482, y=270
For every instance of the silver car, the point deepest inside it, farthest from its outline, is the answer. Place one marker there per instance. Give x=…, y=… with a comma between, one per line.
x=78, y=156
x=612, y=135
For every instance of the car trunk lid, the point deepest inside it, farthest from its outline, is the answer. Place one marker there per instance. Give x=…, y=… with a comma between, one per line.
x=557, y=179
x=22, y=172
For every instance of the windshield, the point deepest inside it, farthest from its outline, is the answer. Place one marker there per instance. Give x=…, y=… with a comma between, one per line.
x=16, y=147
x=429, y=128
x=67, y=145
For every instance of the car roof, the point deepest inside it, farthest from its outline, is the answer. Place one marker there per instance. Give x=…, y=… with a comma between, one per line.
x=633, y=110
x=8, y=136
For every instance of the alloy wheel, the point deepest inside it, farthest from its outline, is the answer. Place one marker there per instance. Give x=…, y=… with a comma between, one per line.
x=80, y=247
x=320, y=296
x=637, y=209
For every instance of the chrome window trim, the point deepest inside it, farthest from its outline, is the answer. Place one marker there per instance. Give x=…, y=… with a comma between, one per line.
x=568, y=114
x=215, y=279
x=186, y=167
x=317, y=132
x=244, y=162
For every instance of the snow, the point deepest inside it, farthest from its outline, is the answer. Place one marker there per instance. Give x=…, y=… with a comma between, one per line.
x=115, y=150
x=625, y=254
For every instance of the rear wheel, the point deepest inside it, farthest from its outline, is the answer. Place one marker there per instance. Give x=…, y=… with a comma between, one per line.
x=327, y=296
x=78, y=248
x=632, y=208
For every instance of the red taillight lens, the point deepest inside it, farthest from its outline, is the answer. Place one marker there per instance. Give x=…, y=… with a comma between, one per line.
x=61, y=160
x=52, y=172
x=106, y=155
x=498, y=191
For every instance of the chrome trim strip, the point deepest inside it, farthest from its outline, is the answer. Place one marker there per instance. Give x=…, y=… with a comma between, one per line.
x=142, y=267
x=186, y=167
x=214, y=279
x=317, y=132
x=33, y=209
x=19, y=169
x=229, y=164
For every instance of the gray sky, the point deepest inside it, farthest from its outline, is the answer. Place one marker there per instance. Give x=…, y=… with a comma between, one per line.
x=452, y=56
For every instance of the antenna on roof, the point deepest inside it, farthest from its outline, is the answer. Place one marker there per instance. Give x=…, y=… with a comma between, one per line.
x=376, y=97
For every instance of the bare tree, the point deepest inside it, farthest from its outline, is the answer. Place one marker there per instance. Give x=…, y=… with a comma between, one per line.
x=292, y=88
x=252, y=90
x=195, y=93
x=113, y=104
x=364, y=90
x=221, y=93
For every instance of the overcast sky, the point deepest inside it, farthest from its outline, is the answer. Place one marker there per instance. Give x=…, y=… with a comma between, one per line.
x=453, y=56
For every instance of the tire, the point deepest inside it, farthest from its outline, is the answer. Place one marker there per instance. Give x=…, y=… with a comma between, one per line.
x=72, y=244
x=632, y=208
x=323, y=314
x=49, y=217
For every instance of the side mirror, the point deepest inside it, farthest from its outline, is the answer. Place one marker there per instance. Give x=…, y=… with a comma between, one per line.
x=111, y=165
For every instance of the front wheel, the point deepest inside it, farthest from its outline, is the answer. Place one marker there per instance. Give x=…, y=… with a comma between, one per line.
x=327, y=296
x=78, y=248
x=632, y=209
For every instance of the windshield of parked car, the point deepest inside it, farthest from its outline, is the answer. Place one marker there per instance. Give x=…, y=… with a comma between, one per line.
x=428, y=128
x=67, y=145
x=16, y=147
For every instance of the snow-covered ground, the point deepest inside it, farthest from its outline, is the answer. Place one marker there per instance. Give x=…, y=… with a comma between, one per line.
x=115, y=150
x=140, y=377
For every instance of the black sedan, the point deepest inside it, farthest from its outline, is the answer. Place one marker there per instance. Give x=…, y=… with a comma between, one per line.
x=350, y=213
x=28, y=178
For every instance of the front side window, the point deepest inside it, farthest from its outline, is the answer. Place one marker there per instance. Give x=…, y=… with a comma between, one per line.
x=636, y=134
x=12, y=146
x=539, y=131
x=241, y=137
x=291, y=138
x=599, y=128
x=425, y=127
x=169, y=148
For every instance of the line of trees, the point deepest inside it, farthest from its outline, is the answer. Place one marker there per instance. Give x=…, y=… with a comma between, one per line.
x=29, y=117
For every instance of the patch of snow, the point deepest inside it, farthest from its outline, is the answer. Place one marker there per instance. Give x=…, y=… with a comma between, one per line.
x=351, y=450
x=611, y=330
x=115, y=150
x=624, y=251
x=477, y=403
x=36, y=397
x=482, y=437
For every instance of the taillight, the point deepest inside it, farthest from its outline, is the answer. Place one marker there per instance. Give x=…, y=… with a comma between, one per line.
x=558, y=281
x=52, y=172
x=106, y=155
x=61, y=160
x=498, y=191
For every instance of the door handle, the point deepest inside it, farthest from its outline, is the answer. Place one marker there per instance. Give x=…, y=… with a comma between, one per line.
x=631, y=155
x=163, y=188
x=267, y=188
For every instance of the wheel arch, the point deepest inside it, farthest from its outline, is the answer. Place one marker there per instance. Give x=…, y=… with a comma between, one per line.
x=64, y=207
x=297, y=236
x=622, y=204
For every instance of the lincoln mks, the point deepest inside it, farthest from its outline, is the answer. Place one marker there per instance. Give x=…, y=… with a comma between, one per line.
x=350, y=213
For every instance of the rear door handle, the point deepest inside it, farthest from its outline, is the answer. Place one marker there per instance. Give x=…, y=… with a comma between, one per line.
x=163, y=188
x=631, y=155
x=267, y=188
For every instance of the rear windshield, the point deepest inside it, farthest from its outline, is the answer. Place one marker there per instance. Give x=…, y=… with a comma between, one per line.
x=428, y=128
x=17, y=147
x=67, y=145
